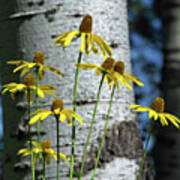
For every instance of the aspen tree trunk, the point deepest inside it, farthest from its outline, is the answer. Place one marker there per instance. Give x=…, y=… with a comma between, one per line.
x=32, y=25
x=167, y=156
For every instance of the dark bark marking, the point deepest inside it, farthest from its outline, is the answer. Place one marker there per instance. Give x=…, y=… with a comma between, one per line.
x=40, y=2
x=50, y=13
x=122, y=140
x=114, y=45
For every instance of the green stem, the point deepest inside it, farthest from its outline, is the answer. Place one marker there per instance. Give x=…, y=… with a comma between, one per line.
x=30, y=138
x=91, y=127
x=37, y=106
x=104, y=135
x=38, y=122
x=44, y=168
x=73, y=120
x=144, y=156
x=58, y=157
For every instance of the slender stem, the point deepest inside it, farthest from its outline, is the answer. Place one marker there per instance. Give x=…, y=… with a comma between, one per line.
x=144, y=156
x=105, y=131
x=91, y=127
x=58, y=147
x=38, y=122
x=30, y=138
x=73, y=120
x=44, y=168
x=37, y=106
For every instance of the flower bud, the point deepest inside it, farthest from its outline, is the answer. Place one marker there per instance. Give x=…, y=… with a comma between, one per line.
x=57, y=103
x=108, y=63
x=158, y=105
x=39, y=57
x=119, y=67
x=29, y=80
x=86, y=24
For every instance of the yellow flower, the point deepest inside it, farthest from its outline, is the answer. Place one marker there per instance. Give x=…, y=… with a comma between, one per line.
x=88, y=40
x=157, y=112
x=38, y=62
x=114, y=72
x=28, y=86
x=105, y=69
x=45, y=149
x=125, y=79
x=57, y=109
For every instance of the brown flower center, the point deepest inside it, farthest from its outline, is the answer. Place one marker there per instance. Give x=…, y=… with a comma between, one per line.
x=57, y=103
x=158, y=105
x=119, y=67
x=29, y=80
x=86, y=24
x=39, y=57
x=108, y=63
x=45, y=144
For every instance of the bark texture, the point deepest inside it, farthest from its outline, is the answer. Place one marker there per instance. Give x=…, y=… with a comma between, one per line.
x=29, y=26
x=166, y=153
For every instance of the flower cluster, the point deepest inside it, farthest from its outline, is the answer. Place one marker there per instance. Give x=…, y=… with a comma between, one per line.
x=45, y=148
x=112, y=72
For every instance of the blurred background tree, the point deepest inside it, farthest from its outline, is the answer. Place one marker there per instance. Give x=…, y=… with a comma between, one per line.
x=166, y=152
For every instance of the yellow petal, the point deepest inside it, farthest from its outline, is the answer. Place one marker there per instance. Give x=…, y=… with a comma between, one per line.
x=87, y=66
x=46, y=87
x=23, y=151
x=134, y=106
x=41, y=72
x=41, y=115
x=70, y=37
x=134, y=79
x=19, y=67
x=127, y=83
x=50, y=93
x=59, y=38
x=34, y=119
x=17, y=63
x=56, y=71
x=152, y=114
x=71, y=113
x=62, y=117
x=105, y=45
x=88, y=43
x=40, y=93
x=173, y=119
x=66, y=38
x=119, y=77
x=34, y=143
x=45, y=115
x=29, y=96
x=9, y=84
x=4, y=91
x=24, y=71
x=141, y=109
x=82, y=42
x=94, y=49
x=170, y=116
x=96, y=40
x=64, y=157
x=163, y=120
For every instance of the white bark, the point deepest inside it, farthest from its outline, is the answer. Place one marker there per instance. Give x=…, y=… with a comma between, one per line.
x=29, y=27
